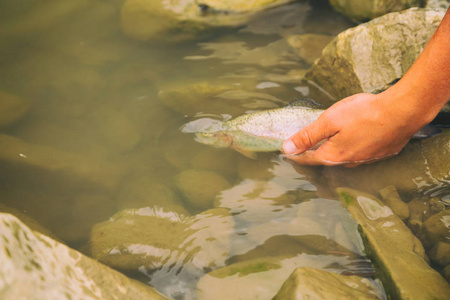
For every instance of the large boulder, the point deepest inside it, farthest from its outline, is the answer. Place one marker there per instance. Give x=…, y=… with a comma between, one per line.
x=405, y=275
x=365, y=10
x=373, y=56
x=147, y=19
x=36, y=267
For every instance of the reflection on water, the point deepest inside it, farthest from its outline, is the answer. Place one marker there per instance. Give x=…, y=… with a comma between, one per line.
x=101, y=133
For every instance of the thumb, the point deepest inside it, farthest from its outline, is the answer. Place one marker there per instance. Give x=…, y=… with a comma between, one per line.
x=308, y=137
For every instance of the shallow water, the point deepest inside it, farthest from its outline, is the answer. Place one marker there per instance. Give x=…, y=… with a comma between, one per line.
x=111, y=108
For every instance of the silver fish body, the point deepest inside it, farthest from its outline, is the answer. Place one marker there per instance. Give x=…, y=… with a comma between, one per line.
x=262, y=131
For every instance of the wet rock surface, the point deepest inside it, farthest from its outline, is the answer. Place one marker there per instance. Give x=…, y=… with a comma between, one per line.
x=407, y=274
x=159, y=242
x=310, y=283
x=357, y=60
x=52, y=270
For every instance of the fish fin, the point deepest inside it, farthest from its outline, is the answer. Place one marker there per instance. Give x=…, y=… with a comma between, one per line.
x=426, y=131
x=305, y=102
x=246, y=153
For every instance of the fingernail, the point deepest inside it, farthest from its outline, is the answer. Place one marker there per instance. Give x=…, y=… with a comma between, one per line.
x=289, y=147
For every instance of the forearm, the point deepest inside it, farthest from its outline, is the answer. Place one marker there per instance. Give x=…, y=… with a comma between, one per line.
x=425, y=88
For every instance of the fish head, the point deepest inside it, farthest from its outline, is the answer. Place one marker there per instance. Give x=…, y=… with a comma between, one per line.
x=219, y=139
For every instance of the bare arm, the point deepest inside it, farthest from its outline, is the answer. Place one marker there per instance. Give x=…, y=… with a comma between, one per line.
x=364, y=127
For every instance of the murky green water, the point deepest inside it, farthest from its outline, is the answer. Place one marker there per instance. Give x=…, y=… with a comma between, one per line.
x=102, y=132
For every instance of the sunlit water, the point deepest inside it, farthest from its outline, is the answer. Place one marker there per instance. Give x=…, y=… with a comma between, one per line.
x=114, y=106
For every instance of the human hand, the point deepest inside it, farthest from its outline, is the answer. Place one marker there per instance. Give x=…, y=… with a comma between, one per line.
x=362, y=128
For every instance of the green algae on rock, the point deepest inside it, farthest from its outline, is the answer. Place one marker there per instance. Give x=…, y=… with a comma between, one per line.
x=53, y=271
x=405, y=275
x=310, y=283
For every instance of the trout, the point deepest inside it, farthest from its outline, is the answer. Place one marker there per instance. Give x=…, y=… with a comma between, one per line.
x=263, y=131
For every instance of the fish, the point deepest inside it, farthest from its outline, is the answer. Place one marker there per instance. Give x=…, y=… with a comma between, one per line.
x=262, y=131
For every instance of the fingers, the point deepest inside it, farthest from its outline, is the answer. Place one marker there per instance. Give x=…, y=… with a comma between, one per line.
x=308, y=137
x=311, y=158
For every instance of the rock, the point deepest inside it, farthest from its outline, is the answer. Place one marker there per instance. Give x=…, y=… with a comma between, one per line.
x=421, y=166
x=200, y=187
x=418, y=208
x=154, y=237
x=405, y=275
x=27, y=220
x=309, y=46
x=54, y=271
x=114, y=130
x=438, y=4
x=172, y=249
x=437, y=228
x=144, y=20
x=310, y=283
x=259, y=278
x=12, y=108
x=42, y=165
x=221, y=161
x=186, y=99
x=440, y=254
x=372, y=56
x=363, y=11
x=391, y=198
x=142, y=191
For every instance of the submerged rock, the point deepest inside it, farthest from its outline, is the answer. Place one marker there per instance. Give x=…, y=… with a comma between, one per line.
x=391, y=198
x=259, y=278
x=12, y=108
x=310, y=283
x=421, y=166
x=309, y=46
x=160, y=242
x=53, y=271
x=200, y=188
x=405, y=275
x=42, y=165
x=365, y=10
x=373, y=56
x=144, y=19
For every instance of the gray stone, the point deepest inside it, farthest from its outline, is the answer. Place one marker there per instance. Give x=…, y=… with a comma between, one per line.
x=373, y=56
x=310, y=283
x=36, y=267
x=438, y=4
x=405, y=275
x=365, y=10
